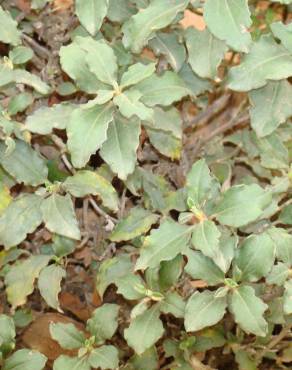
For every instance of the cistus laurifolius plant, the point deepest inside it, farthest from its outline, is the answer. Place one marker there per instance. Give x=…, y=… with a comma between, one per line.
x=145, y=165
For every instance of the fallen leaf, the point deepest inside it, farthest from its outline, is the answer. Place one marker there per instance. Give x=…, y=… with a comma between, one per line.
x=61, y=5
x=73, y=304
x=191, y=19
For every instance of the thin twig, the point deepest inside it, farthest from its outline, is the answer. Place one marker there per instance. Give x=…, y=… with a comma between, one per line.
x=39, y=49
x=273, y=343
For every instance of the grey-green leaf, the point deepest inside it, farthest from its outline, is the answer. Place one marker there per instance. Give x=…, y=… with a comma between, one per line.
x=229, y=20
x=287, y=304
x=104, y=357
x=203, y=310
x=119, y=150
x=163, y=244
x=59, y=216
x=84, y=182
x=101, y=60
x=25, y=359
x=141, y=27
x=167, y=44
x=162, y=90
x=284, y=33
x=87, y=131
x=71, y=363
x=248, y=311
x=136, y=73
x=266, y=61
x=242, y=204
x=24, y=164
x=255, y=257
x=20, y=279
x=67, y=335
x=91, y=16
x=135, y=224
x=72, y=58
x=205, y=237
x=9, y=33
x=20, y=218
x=144, y=330
x=107, y=313
x=212, y=50
x=129, y=105
x=49, y=284
x=45, y=119
x=203, y=268
x=174, y=304
x=270, y=106
x=7, y=330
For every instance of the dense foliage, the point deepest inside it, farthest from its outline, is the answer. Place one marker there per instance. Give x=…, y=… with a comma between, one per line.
x=155, y=159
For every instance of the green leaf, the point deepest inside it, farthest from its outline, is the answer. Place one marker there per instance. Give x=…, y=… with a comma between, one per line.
x=72, y=58
x=130, y=286
x=244, y=360
x=145, y=330
x=25, y=359
x=119, y=150
x=162, y=90
x=205, y=237
x=129, y=105
x=137, y=73
x=24, y=163
x=174, y=304
x=67, y=335
x=87, y=131
x=242, y=204
x=21, y=55
x=255, y=257
x=146, y=361
x=248, y=311
x=288, y=298
x=137, y=222
x=199, y=182
x=91, y=16
x=229, y=21
x=9, y=76
x=272, y=151
x=278, y=275
x=284, y=33
x=271, y=106
x=107, y=313
x=165, y=142
x=120, y=10
x=45, y=119
x=20, y=218
x=84, y=182
x=112, y=270
x=104, y=357
x=104, y=96
x=9, y=34
x=140, y=28
x=266, y=61
x=163, y=244
x=7, y=331
x=202, y=267
x=20, y=278
x=19, y=103
x=59, y=216
x=49, y=284
x=203, y=310
x=194, y=83
x=283, y=244
x=71, y=363
x=212, y=52
x=167, y=44
x=286, y=215
x=101, y=60
x=170, y=272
